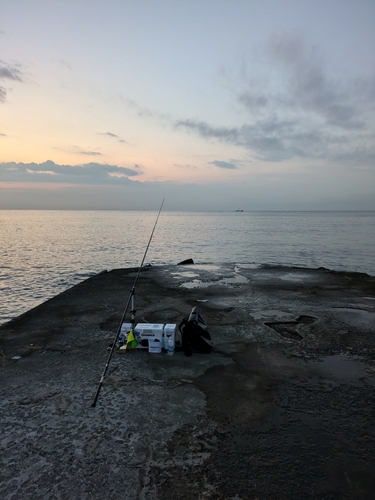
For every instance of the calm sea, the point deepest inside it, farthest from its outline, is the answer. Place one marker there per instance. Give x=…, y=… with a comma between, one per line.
x=46, y=252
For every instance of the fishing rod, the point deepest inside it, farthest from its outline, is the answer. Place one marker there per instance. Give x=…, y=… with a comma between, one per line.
x=130, y=300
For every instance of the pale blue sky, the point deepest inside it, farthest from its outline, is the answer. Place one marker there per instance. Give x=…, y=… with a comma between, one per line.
x=214, y=105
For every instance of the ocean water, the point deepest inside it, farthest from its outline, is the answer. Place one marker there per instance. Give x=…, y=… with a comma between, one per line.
x=45, y=252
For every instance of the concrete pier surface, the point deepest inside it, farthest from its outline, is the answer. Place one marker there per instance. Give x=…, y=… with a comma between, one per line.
x=283, y=408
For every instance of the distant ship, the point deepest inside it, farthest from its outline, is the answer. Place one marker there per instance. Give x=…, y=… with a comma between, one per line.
x=238, y=210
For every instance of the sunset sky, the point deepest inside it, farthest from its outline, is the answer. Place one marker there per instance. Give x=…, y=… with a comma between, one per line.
x=210, y=104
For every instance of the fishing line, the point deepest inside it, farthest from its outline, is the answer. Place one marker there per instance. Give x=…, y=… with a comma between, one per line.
x=131, y=296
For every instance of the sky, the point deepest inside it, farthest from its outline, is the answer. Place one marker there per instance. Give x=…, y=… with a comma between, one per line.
x=211, y=104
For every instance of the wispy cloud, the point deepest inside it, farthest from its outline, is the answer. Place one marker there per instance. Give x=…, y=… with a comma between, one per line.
x=48, y=171
x=270, y=140
x=143, y=112
x=113, y=136
x=308, y=87
x=89, y=153
x=108, y=133
x=253, y=100
x=8, y=72
x=224, y=164
x=77, y=150
x=300, y=112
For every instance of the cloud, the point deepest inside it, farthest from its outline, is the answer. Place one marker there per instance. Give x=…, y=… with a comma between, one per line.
x=208, y=131
x=89, y=153
x=145, y=112
x=308, y=87
x=276, y=140
x=8, y=72
x=141, y=111
x=270, y=140
x=78, y=151
x=296, y=111
x=223, y=164
x=303, y=87
x=113, y=136
x=48, y=171
x=108, y=133
x=253, y=101
x=38, y=172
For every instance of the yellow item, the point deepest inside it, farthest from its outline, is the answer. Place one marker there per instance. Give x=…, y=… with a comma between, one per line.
x=131, y=342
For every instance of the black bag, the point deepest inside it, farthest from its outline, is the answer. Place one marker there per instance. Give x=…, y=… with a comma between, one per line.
x=194, y=334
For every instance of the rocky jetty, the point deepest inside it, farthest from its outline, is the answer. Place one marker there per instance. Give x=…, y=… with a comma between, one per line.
x=282, y=408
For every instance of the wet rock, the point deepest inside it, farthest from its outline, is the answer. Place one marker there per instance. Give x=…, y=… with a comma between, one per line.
x=282, y=408
x=185, y=262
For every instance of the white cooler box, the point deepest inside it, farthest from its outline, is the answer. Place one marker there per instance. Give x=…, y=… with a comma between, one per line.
x=169, y=331
x=146, y=332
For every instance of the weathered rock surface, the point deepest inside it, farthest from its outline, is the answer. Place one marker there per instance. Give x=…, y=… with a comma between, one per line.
x=283, y=408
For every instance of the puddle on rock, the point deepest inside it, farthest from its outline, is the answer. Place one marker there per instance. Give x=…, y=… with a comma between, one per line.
x=264, y=314
x=205, y=267
x=296, y=277
x=248, y=266
x=197, y=284
x=357, y=317
x=288, y=329
x=234, y=280
x=184, y=275
x=339, y=367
